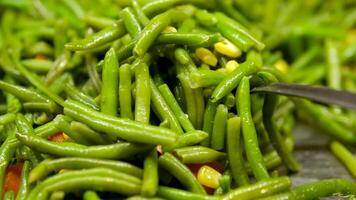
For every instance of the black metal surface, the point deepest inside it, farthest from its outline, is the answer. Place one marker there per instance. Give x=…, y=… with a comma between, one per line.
x=319, y=94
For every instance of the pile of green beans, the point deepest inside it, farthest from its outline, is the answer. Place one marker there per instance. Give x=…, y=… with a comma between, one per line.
x=150, y=99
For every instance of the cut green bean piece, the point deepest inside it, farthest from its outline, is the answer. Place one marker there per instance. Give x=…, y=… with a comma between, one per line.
x=234, y=152
x=217, y=141
x=125, y=92
x=110, y=84
x=173, y=104
x=150, y=174
x=143, y=93
x=197, y=154
x=181, y=172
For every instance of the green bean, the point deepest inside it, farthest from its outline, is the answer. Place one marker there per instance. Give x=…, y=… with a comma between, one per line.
x=155, y=7
x=189, y=99
x=200, y=103
x=253, y=152
x=92, y=72
x=131, y=22
x=90, y=195
x=174, y=106
x=318, y=116
x=63, y=124
x=125, y=92
x=88, y=133
x=150, y=174
x=229, y=9
x=187, y=26
x=30, y=155
x=181, y=172
x=7, y=118
x=205, y=18
x=59, y=84
x=333, y=74
x=164, y=111
x=177, y=194
x=9, y=195
x=189, y=39
x=259, y=189
x=151, y=32
x=97, y=22
x=197, y=154
x=68, y=149
x=59, y=65
x=270, y=102
x=239, y=29
x=205, y=78
x=125, y=51
x=100, y=38
x=187, y=139
x=40, y=106
x=97, y=178
x=24, y=183
x=35, y=80
x=75, y=7
x=319, y=189
x=240, y=40
x=13, y=104
x=143, y=198
x=22, y=93
x=182, y=56
x=269, y=105
x=47, y=129
x=109, y=87
x=143, y=93
x=229, y=101
x=48, y=166
x=217, y=141
x=208, y=122
x=232, y=80
x=36, y=65
x=345, y=156
x=305, y=58
x=234, y=152
x=319, y=31
x=75, y=94
x=141, y=16
x=6, y=152
x=123, y=128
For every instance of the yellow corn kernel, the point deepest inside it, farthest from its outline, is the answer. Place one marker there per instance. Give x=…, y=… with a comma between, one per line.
x=231, y=66
x=351, y=36
x=206, y=56
x=169, y=29
x=66, y=137
x=208, y=177
x=228, y=49
x=282, y=66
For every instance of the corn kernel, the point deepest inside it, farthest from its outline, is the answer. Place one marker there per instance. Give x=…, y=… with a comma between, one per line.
x=169, y=29
x=228, y=49
x=66, y=137
x=231, y=66
x=206, y=56
x=351, y=36
x=208, y=177
x=282, y=66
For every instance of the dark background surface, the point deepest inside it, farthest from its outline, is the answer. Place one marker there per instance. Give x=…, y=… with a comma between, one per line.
x=313, y=152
